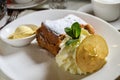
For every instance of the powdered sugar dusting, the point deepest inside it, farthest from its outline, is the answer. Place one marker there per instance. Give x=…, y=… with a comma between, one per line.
x=59, y=25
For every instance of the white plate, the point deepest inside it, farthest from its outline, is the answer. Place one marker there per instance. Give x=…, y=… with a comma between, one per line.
x=26, y=5
x=33, y=63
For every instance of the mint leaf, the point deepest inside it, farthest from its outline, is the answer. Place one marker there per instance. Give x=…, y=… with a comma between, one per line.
x=76, y=30
x=71, y=41
x=69, y=31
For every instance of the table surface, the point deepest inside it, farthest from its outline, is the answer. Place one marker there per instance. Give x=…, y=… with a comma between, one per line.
x=71, y=5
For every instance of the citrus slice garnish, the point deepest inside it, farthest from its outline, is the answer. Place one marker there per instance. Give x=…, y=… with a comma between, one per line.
x=91, y=53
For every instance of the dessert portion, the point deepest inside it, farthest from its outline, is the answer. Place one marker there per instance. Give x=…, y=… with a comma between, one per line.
x=76, y=46
x=49, y=39
x=51, y=33
x=23, y=31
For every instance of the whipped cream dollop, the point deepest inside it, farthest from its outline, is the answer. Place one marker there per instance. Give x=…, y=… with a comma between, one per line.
x=66, y=58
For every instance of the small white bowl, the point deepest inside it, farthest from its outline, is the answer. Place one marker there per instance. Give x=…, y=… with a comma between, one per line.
x=5, y=32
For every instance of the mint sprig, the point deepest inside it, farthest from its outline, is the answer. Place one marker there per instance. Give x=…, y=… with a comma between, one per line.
x=74, y=32
x=72, y=41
